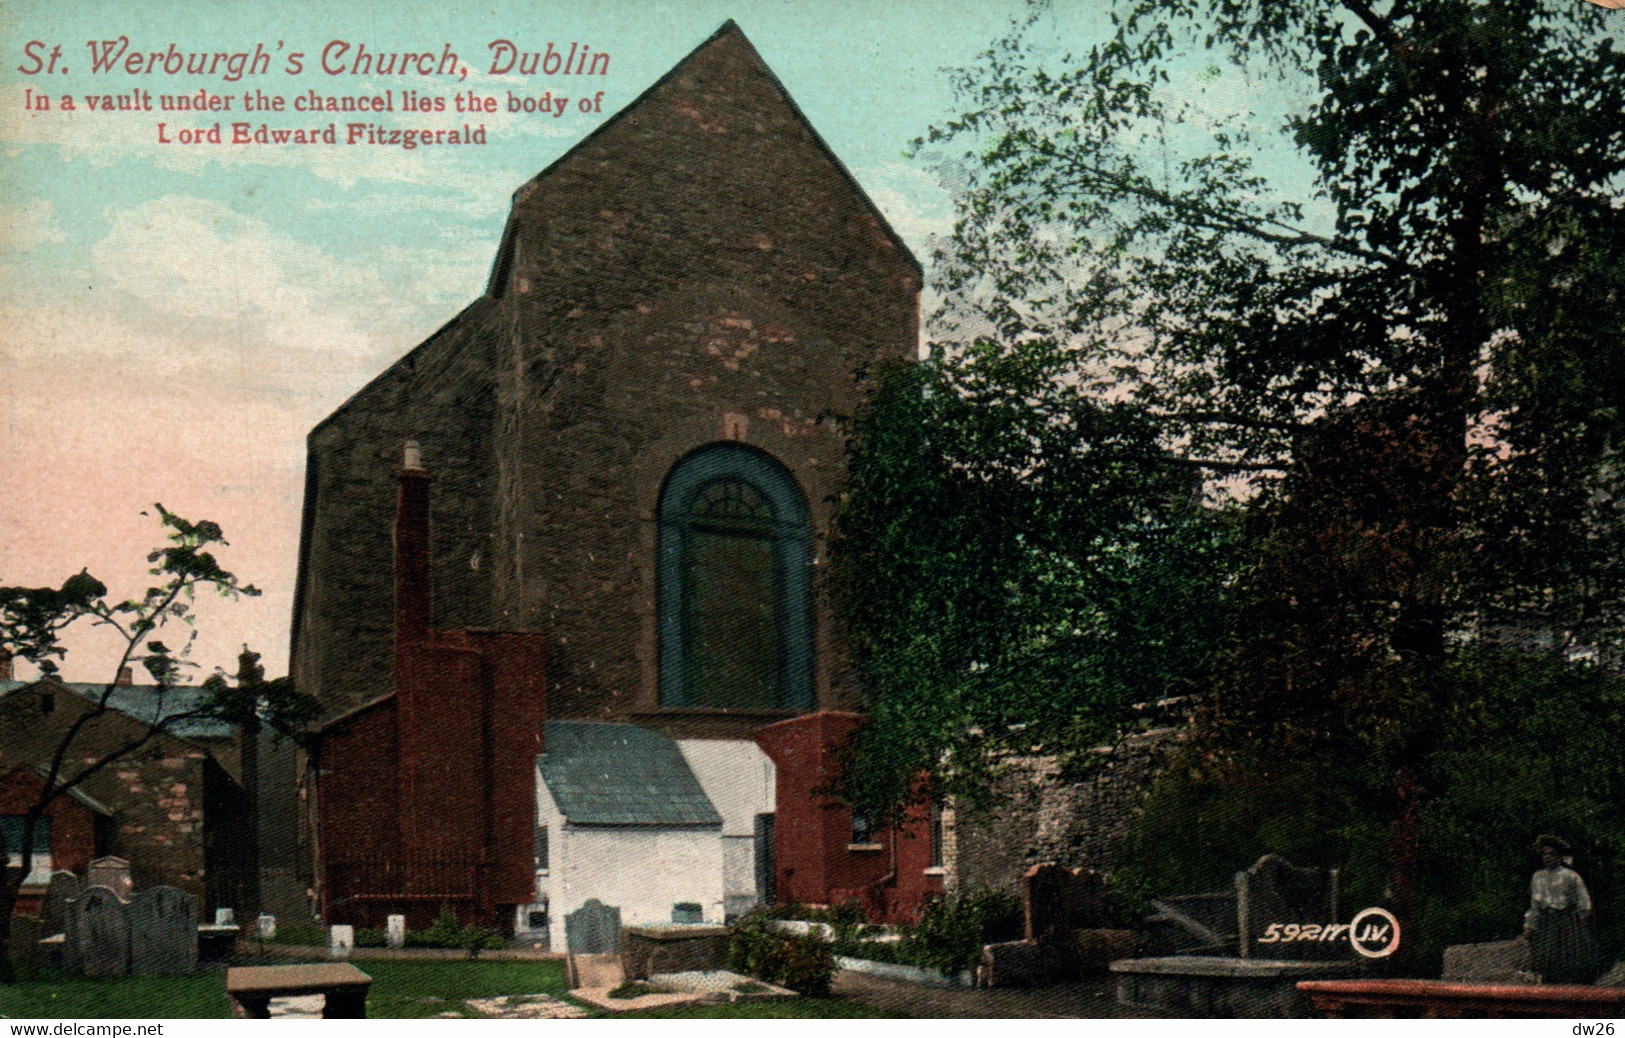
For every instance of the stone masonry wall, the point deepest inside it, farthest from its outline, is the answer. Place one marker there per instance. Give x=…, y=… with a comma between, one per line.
x=1042, y=819
x=156, y=793
x=438, y=395
x=699, y=269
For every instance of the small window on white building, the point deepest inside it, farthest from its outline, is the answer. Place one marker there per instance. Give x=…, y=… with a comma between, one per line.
x=936, y=836
x=11, y=833
x=540, y=848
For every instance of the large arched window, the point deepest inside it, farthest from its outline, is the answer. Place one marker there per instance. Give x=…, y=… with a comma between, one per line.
x=734, y=591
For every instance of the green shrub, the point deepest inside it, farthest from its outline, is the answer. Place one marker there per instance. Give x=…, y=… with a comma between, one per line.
x=447, y=932
x=1520, y=745
x=800, y=962
x=952, y=930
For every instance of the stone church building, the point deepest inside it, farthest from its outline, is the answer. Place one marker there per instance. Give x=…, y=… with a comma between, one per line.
x=573, y=643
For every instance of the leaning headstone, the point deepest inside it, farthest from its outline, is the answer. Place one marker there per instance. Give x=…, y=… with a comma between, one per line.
x=163, y=933
x=395, y=931
x=104, y=933
x=340, y=941
x=112, y=873
x=225, y=917
x=1614, y=978
x=59, y=892
x=594, y=928
x=1276, y=892
x=266, y=927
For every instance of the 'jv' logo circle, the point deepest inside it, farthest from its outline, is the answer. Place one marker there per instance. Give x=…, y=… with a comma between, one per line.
x=1374, y=933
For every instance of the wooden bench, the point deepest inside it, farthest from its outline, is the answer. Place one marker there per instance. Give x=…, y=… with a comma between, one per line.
x=1433, y=999
x=252, y=987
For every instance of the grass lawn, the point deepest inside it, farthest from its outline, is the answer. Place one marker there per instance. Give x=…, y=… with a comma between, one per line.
x=789, y=1009
x=400, y=990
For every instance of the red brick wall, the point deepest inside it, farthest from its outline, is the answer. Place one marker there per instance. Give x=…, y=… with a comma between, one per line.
x=813, y=859
x=73, y=826
x=519, y=707
x=356, y=771
x=441, y=692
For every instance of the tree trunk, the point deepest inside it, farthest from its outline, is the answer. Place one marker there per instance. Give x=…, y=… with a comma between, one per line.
x=1402, y=846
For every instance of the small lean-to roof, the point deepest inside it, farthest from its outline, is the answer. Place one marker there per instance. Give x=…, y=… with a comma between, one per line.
x=620, y=774
x=141, y=703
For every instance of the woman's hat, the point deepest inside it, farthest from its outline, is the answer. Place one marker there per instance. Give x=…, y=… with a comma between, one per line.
x=1556, y=843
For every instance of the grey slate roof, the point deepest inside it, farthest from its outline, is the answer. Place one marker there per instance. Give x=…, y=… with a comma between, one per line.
x=140, y=703
x=620, y=774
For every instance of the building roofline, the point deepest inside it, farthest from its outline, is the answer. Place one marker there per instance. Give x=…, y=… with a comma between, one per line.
x=353, y=712
x=729, y=26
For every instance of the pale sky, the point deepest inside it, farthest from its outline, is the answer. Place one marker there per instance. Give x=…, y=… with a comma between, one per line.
x=174, y=319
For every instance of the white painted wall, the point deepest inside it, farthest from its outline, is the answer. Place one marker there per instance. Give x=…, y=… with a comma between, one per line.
x=739, y=780
x=737, y=777
x=643, y=870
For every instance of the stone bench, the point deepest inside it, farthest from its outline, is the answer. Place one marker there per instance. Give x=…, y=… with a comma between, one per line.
x=252, y=987
x=1436, y=999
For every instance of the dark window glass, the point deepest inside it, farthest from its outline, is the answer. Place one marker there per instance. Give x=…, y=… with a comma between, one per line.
x=734, y=583
x=540, y=850
x=862, y=830
x=730, y=596
x=11, y=831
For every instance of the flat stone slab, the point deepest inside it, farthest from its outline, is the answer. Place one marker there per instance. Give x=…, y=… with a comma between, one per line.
x=906, y=974
x=1225, y=966
x=719, y=985
x=599, y=999
x=311, y=979
x=343, y=988
x=525, y=1007
x=1213, y=986
x=677, y=931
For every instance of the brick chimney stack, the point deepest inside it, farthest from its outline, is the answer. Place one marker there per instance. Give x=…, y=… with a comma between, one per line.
x=412, y=549
x=7, y=671
x=126, y=677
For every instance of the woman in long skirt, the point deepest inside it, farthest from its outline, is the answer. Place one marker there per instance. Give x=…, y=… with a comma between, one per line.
x=1558, y=924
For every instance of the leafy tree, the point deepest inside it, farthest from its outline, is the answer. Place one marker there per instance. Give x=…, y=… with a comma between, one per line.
x=1016, y=566
x=1389, y=318
x=32, y=621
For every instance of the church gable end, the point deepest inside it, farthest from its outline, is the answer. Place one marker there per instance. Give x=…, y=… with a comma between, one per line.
x=699, y=270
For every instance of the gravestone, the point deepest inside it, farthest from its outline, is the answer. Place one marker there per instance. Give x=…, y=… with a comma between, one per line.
x=225, y=917
x=593, y=929
x=112, y=873
x=104, y=933
x=1275, y=891
x=163, y=933
x=395, y=931
x=59, y=893
x=1055, y=901
x=1505, y=962
x=340, y=941
x=25, y=937
x=266, y=927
